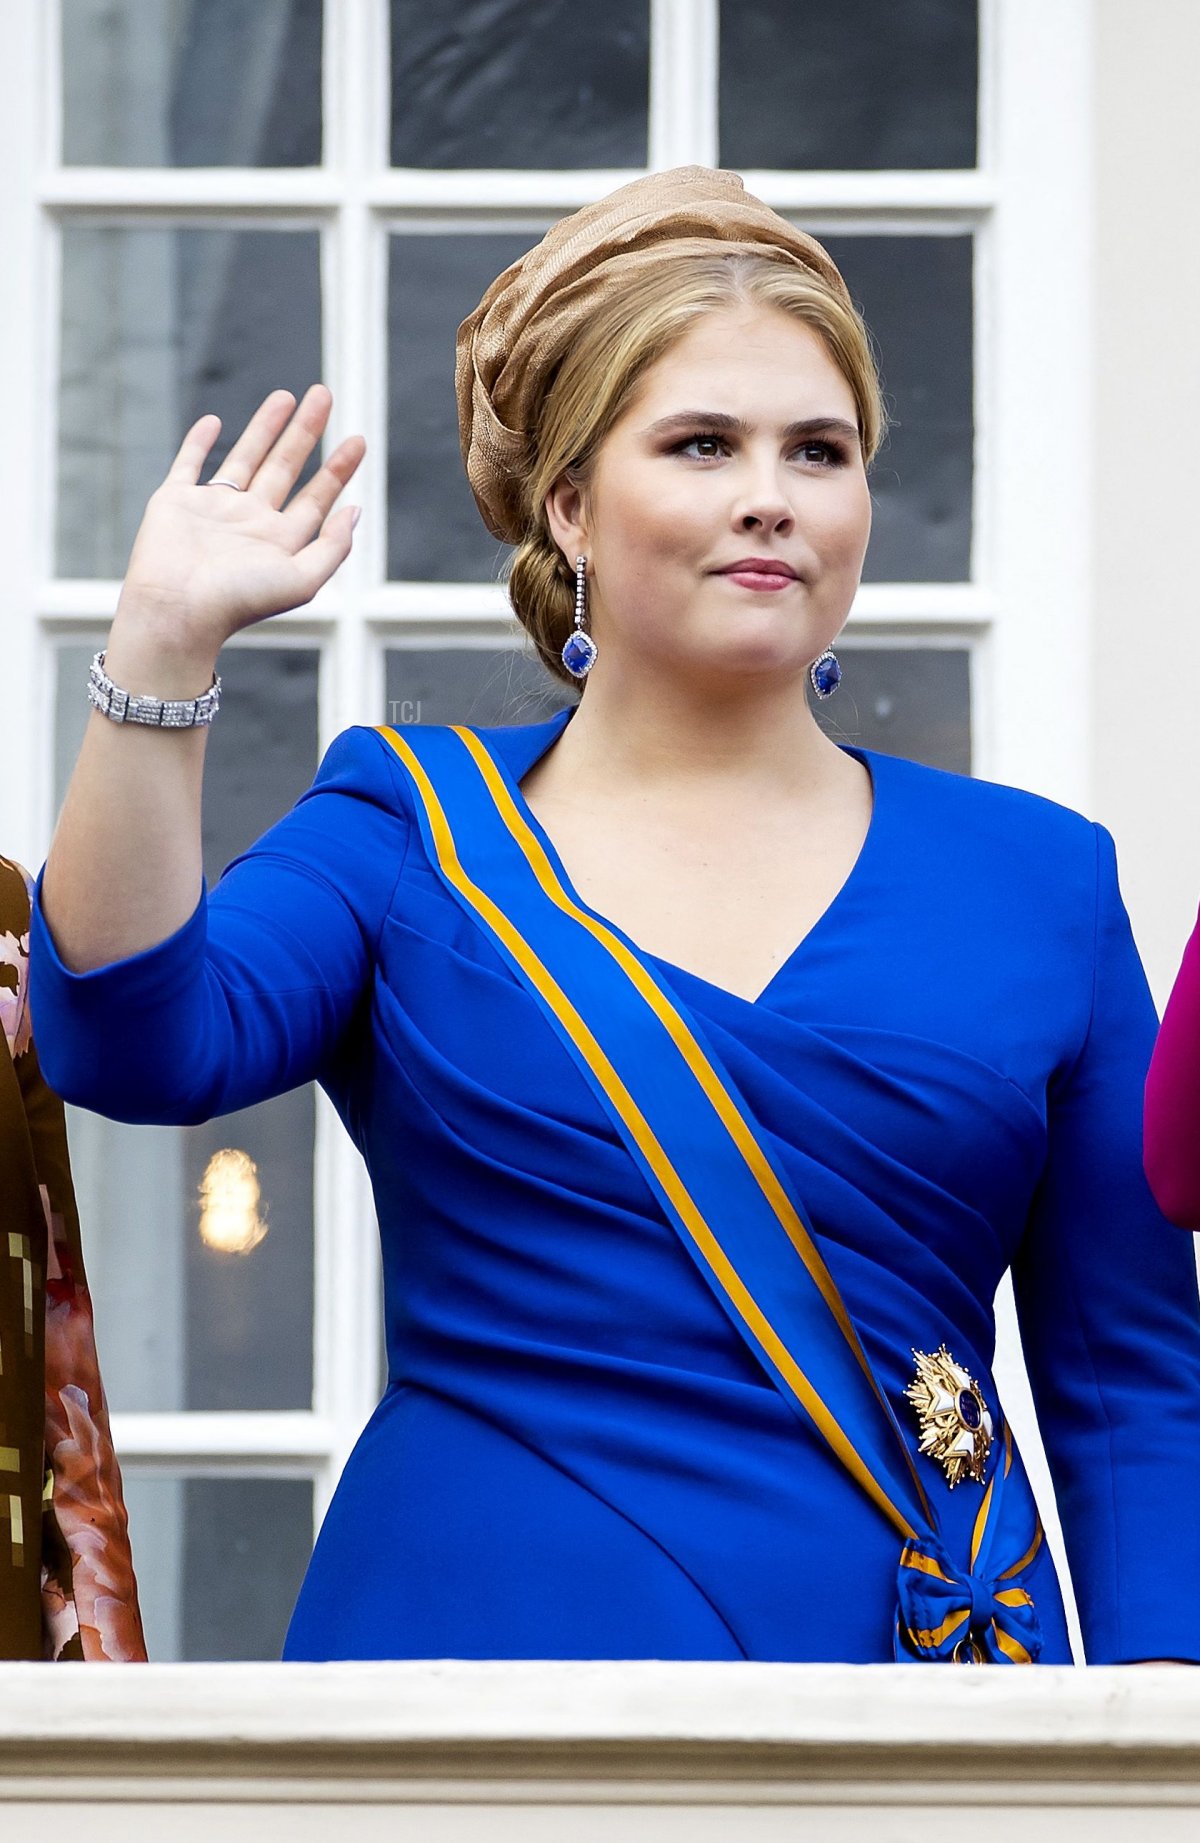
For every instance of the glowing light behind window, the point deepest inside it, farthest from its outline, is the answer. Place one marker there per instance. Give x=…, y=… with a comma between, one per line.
x=233, y=1218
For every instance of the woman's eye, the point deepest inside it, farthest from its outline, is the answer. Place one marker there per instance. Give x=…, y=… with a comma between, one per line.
x=820, y=454
x=707, y=446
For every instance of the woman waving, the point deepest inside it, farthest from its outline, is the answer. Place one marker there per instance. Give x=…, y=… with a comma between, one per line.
x=710, y=1076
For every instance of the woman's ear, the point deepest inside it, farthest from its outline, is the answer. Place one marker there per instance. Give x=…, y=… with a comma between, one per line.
x=566, y=515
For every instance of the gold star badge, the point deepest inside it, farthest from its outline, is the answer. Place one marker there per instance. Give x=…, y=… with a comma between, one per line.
x=956, y=1428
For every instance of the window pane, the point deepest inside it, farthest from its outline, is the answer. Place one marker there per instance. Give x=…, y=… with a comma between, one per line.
x=435, y=533
x=159, y=326
x=520, y=83
x=183, y=1323
x=479, y=685
x=837, y=84
x=191, y=82
x=916, y=294
x=911, y=701
x=219, y=1561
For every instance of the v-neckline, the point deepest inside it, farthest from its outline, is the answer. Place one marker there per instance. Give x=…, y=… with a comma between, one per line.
x=554, y=727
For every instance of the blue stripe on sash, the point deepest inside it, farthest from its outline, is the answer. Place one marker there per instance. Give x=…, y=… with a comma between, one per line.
x=694, y=1139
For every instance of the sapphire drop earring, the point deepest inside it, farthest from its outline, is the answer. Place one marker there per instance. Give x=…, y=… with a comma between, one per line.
x=825, y=673
x=579, y=652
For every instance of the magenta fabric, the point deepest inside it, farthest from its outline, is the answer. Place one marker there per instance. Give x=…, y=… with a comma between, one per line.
x=1173, y=1099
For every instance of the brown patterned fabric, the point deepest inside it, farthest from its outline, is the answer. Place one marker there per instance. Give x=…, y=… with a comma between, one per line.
x=509, y=347
x=67, y=1589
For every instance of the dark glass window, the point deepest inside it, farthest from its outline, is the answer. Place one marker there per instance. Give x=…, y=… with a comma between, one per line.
x=197, y=1325
x=916, y=294
x=250, y=1316
x=219, y=1560
x=191, y=82
x=520, y=83
x=483, y=686
x=435, y=533
x=160, y=325
x=910, y=701
x=849, y=84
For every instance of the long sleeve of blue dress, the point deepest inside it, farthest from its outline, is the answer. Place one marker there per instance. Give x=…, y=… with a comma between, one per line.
x=576, y=1454
x=1106, y=1297
x=251, y=996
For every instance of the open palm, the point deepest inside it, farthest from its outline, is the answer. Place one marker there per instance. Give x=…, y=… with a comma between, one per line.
x=214, y=560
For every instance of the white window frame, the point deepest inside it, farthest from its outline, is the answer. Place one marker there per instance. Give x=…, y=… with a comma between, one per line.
x=1023, y=614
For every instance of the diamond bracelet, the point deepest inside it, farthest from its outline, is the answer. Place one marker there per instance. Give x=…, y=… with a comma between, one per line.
x=164, y=713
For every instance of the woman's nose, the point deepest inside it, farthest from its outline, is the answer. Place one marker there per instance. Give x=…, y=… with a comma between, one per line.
x=764, y=506
x=766, y=512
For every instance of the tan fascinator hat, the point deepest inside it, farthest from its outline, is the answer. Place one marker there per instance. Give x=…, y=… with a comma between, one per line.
x=509, y=348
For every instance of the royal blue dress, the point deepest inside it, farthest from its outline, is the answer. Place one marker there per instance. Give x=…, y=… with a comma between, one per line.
x=576, y=1456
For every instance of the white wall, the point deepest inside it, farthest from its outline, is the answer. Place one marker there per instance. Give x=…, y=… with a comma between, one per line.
x=1145, y=725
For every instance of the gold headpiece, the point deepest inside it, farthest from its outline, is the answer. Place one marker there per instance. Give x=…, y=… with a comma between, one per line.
x=510, y=346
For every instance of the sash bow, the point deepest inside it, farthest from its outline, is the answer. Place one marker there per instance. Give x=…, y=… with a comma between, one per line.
x=947, y=1614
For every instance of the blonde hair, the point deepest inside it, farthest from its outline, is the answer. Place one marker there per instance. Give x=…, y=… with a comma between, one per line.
x=599, y=374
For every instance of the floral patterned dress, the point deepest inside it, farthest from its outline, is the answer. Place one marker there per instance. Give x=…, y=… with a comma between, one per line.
x=67, y=1589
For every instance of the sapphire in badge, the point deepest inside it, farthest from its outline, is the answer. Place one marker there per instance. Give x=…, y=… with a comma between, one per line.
x=956, y=1428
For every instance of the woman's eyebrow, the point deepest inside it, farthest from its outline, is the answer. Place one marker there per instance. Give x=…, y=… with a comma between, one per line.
x=722, y=424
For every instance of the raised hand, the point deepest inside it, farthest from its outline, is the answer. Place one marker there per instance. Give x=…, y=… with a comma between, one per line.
x=125, y=866
x=208, y=560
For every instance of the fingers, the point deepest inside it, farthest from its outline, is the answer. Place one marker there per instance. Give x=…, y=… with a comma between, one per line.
x=257, y=438
x=316, y=563
x=268, y=456
x=194, y=450
x=312, y=505
x=281, y=468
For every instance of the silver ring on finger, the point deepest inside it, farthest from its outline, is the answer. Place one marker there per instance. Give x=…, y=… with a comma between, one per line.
x=218, y=480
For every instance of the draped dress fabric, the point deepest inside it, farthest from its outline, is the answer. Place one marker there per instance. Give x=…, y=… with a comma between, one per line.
x=1173, y=1098
x=576, y=1455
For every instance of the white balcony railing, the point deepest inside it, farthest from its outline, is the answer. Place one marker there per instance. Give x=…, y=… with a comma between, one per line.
x=463, y=1751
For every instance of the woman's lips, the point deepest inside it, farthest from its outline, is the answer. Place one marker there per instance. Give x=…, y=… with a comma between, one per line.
x=768, y=582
